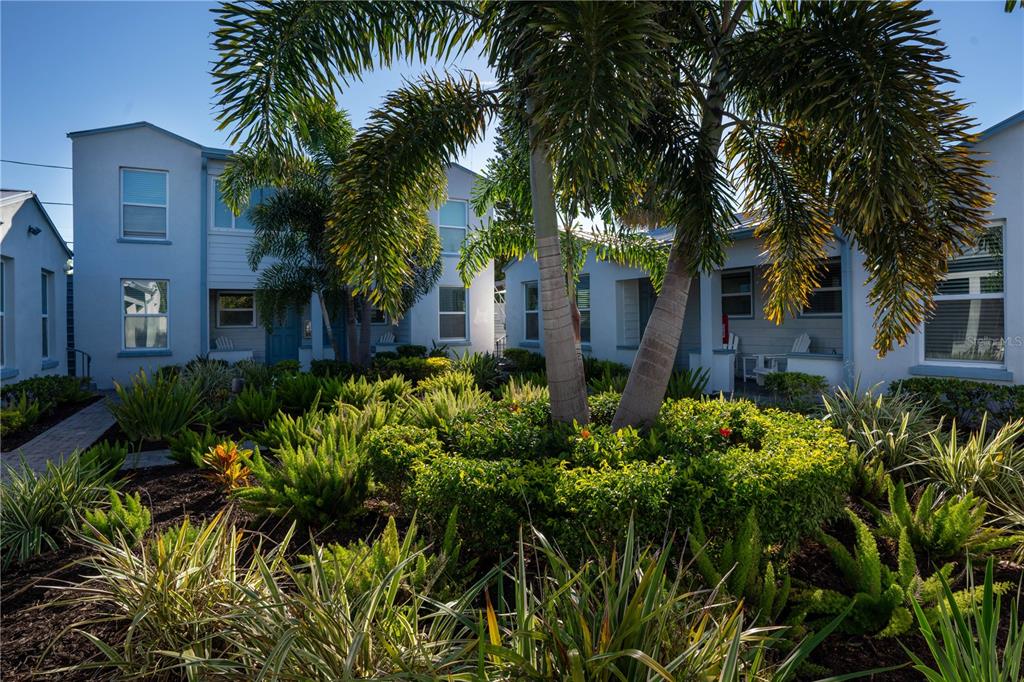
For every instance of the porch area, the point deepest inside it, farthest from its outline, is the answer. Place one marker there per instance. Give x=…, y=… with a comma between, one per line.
x=726, y=333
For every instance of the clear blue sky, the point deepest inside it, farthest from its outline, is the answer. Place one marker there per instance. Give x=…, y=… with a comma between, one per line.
x=75, y=65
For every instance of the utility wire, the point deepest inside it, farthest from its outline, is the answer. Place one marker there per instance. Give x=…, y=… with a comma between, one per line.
x=58, y=203
x=40, y=165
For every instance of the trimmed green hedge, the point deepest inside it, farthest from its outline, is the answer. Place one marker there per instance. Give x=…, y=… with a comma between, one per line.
x=722, y=458
x=733, y=457
x=966, y=401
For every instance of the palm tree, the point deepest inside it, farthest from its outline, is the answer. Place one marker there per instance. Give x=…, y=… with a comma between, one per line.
x=291, y=225
x=828, y=118
x=574, y=73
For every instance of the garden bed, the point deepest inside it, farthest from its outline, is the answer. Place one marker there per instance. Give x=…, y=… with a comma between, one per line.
x=52, y=418
x=32, y=616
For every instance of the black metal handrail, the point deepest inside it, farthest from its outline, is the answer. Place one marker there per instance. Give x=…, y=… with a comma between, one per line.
x=86, y=362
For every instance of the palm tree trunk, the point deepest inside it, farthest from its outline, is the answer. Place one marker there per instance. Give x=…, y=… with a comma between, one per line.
x=327, y=323
x=365, y=331
x=655, y=358
x=564, y=365
x=652, y=368
x=351, y=341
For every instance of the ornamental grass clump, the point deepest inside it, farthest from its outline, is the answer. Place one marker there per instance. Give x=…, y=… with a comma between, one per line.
x=171, y=604
x=37, y=510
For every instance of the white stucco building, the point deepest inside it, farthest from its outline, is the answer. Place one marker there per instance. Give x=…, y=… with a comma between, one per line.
x=161, y=274
x=976, y=332
x=34, y=266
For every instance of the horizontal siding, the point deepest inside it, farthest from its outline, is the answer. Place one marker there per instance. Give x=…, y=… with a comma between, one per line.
x=227, y=266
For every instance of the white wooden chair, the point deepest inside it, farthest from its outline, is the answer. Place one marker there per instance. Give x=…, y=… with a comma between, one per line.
x=224, y=349
x=769, y=364
x=385, y=342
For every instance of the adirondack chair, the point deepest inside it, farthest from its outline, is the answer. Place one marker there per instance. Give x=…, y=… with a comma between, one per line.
x=769, y=364
x=385, y=342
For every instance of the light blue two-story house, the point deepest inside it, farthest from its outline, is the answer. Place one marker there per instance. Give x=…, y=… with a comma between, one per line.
x=161, y=274
x=976, y=330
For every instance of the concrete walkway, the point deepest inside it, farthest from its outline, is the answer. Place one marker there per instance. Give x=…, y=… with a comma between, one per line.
x=77, y=432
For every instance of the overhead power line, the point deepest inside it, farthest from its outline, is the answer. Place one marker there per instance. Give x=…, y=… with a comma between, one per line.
x=40, y=165
x=58, y=203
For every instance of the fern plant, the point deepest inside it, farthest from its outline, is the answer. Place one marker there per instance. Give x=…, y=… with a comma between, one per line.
x=299, y=393
x=941, y=528
x=359, y=566
x=127, y=518
x=456, y=381
x=107, y=456
x=869, y=480
x=882, y=597
x=439, y=407
x=319, y=484
x=743, y=569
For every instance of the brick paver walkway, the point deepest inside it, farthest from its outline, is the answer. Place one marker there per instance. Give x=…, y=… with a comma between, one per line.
x=77, y=432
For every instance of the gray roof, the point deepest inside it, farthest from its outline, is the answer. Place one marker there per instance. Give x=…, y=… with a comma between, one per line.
x=208, y=151
x=8, y=193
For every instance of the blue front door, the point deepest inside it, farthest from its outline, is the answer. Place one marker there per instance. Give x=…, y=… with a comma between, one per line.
x=283, y=341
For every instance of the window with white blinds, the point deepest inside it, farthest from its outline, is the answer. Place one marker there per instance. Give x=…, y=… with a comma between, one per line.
x=583, y=305
x=144, y=313
x=143, y=204
x=452, y=312
x=968, y=321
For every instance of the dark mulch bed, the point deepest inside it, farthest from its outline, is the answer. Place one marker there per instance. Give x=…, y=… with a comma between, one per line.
x=35, y=634
x=15, y=440
x=29, y=625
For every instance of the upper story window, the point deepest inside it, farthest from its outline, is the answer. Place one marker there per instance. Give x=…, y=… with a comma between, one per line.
x=583, y=305
x=223, y=218
x=143, y=203
x=531, y=305
x=968, y=321
x=145, y=313
x=827, y=299
x=453, y=219
x=738, y=294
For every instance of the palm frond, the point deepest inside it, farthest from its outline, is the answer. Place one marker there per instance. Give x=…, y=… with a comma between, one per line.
x=272, y=55
x=395, y=172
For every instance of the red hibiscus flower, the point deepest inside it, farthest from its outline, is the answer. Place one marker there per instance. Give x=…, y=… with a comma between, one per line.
x=725, y=432
x=584, y=434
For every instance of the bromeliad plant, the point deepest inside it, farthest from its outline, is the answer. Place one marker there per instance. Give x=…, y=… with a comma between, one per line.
x=157, y=408
x=227, y=467
x=255, y=405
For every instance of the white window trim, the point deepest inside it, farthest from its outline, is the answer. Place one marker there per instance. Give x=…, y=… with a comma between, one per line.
x=212, y=213
x=4, y=334
x=251, y=325
x=750, y=294
x=839, y=264
x=994, y=364
x=46, y=284
x=528, y=311
x=464, y=314
x=124, y=315
x=464, y=228
x=166, y=205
